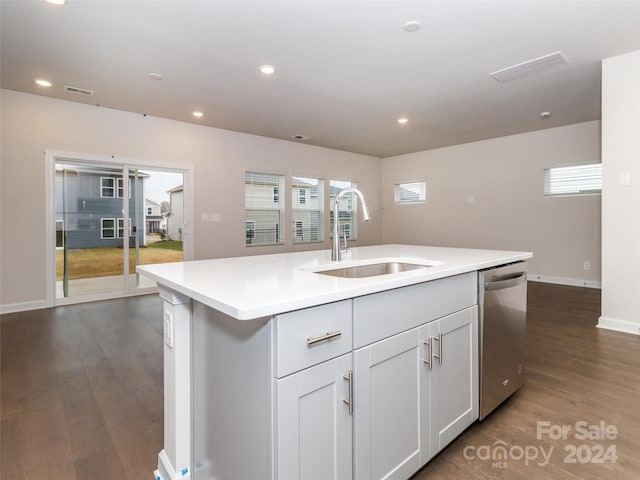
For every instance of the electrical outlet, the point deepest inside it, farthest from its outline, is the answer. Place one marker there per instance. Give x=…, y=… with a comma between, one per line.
x=587, y=265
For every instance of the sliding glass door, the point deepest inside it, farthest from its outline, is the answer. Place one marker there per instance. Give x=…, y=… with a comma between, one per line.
x=159, y=223
x=109, y=218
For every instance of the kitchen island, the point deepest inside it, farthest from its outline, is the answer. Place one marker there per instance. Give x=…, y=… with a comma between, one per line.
x=275, y=369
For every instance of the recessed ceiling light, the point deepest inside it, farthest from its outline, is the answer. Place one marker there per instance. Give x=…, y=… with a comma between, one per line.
x=545, y=114
x=155, y=76
x=403, y=120
x=268, y=69
x=57, y=2
x=43, y=83
x=198, y=114
x=411, y=26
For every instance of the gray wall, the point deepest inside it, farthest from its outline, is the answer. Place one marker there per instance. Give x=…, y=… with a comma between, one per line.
x=485, y=194
x=32, y=124
x=489, y=194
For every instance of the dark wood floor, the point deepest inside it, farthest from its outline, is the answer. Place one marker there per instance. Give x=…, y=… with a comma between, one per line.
x=81, y=395
x=82, y=391
x=575, y=372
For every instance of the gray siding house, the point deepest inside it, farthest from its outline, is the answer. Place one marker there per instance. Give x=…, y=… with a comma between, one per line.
x=89, y=205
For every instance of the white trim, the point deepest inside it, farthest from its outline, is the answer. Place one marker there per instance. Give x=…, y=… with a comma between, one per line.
x=113, y=187
x=50, y=227
x=618, y=325
x=22, y=306
x=103, y=228
x=53, y=156
x=575, y=282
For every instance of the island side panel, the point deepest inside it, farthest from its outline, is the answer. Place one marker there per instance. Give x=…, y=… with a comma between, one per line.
x=174, y=461
x=232, y=396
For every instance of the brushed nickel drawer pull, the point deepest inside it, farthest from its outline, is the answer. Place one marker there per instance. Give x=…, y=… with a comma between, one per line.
x=428, y=359
x=439, y=355
x=328, y=336
x=349, y=401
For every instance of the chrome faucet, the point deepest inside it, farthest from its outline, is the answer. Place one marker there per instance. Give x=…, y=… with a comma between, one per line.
x=336, y=252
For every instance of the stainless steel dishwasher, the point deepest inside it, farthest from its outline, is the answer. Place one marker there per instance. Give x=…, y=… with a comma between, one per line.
x=502, y=299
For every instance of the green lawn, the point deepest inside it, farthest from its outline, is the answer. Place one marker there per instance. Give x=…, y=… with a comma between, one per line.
x=167, y=245
x=104, y=262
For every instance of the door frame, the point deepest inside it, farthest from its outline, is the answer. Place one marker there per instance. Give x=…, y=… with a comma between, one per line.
x=51, y=158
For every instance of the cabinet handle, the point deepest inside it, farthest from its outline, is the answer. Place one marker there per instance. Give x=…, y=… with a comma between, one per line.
x=439, y=355
x=349, y=401
x=428, y=359
x=328, y=336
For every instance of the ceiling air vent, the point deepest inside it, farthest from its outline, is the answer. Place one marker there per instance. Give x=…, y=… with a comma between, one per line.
x=531, y=67
x=78, y=91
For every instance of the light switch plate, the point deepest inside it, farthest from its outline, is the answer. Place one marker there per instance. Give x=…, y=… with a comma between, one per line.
x=625, y=179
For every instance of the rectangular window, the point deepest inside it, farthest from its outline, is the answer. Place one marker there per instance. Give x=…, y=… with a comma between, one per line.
x=121, y=188
x=410, y=192
x=347, y=209
x=112, y=186
x=108, y=228
x=573, y=180
x=149, y=211
x=59, y=234
x=307, y=198
x=250, y=227
x=121, y=227
x=264, y=208
x=107, y=187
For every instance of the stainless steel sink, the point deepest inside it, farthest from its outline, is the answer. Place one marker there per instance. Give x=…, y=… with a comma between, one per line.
x=375, y=269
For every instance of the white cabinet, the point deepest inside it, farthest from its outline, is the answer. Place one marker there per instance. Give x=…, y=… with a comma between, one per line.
x=416, y=390
x=449, y=377
x=313, y=423
x=387, y=408
x=337, y=391
x=313, y=393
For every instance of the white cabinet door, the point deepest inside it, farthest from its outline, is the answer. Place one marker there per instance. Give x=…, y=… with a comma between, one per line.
x=313, y=423
x=453, y=376
x=387, y=408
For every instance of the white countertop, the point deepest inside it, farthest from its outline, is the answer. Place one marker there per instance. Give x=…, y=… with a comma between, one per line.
x=264, y=285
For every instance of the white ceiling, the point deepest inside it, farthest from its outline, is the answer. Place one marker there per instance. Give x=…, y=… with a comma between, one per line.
x=346, y=70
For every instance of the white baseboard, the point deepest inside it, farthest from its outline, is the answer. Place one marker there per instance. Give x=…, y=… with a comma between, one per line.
x=23, y=306
x=167, y=472
x=574, y=282
x=618, y=325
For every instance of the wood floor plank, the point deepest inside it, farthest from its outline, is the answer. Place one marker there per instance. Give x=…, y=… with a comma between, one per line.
x=81, y=394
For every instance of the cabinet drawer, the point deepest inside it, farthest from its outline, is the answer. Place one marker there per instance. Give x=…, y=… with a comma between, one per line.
x=383, y=314
x=306, y=337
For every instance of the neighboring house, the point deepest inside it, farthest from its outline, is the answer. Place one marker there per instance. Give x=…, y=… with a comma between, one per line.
x=347, y=225
x=264, y=211
x=153, y=216
x=307, y=212
x=175, y=217
x=263, y=204
x=89, y=208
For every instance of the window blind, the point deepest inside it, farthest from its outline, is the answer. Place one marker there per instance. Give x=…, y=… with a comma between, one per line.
x=573, y=180
x=264, y=208
x=411, y=192
x=307, y=200
x=347, y=210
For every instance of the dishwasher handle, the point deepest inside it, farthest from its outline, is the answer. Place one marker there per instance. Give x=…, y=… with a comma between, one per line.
x=506, y=281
